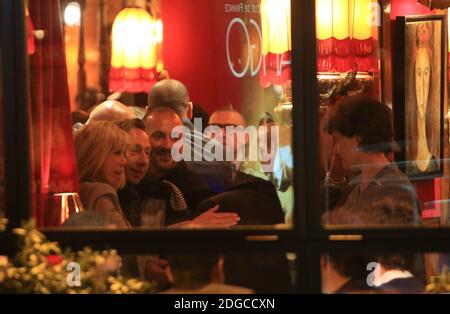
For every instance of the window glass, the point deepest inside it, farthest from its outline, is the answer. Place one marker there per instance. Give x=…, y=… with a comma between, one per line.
x=2, y=160
x=383, y=160
x=384, y=273
x=233, y=272
x=212, y=101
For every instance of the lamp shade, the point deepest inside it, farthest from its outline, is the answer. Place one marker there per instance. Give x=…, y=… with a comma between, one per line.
x=276, y=41
x=344, y=35
x=333, y=36
x=324, y=34
x=360, y=19
x=362, y=34
x=134, y=58
x=340, y=19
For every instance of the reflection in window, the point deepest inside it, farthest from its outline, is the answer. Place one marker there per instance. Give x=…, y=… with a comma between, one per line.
x=199, y=134
x=363, y=183
x=2, y=160
x=384, y=273
x=218, y=273
x=377, y=192
x=52, y=150
x=366, y=181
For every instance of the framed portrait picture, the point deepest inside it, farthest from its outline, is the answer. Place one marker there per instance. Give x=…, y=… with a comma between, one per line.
x=419, y=94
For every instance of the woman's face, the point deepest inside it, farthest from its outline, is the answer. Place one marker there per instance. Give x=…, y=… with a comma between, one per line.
x=422, y=75
x=113, y=169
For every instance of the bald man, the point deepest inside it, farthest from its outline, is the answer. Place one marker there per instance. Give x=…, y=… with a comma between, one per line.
x=227, y=116
x=159, y=125
x=173, y=94
x=111, y=110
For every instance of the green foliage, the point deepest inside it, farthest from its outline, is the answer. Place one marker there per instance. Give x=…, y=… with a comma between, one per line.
x=40, y=266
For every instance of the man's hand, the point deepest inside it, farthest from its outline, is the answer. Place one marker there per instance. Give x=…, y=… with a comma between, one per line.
x=211, y=218
x=337, y=171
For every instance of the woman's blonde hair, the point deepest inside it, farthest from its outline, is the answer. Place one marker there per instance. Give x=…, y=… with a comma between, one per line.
x=93, y=143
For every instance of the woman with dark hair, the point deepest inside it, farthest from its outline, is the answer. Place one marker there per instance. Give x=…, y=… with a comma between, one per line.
x=363, y=135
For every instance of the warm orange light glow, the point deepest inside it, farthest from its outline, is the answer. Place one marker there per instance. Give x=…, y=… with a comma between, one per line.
x=332, y=19
x=344, y=35
x=67, y=204
x=276, y=26
x=158, y=29
x=30, y=33
x=448, y=25
x=360, y=19
x=340, y=19
x=133, y=39
x=324, y=19
x=134, y=60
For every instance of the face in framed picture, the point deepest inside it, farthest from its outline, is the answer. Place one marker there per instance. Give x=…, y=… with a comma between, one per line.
x=421, y=104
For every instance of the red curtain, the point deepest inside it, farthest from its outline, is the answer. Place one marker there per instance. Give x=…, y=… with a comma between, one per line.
x=53, y=153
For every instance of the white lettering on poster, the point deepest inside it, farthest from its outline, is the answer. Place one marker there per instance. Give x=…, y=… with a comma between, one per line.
x=253, y=60
x=250, y=46
x=241, y=8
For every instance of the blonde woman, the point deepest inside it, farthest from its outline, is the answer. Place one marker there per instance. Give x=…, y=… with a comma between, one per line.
x=100, y=150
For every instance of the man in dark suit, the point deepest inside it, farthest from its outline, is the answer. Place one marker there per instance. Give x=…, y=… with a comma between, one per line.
x=173, y=94
x=189, y=189
x=254, y=199
x=257, y=203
